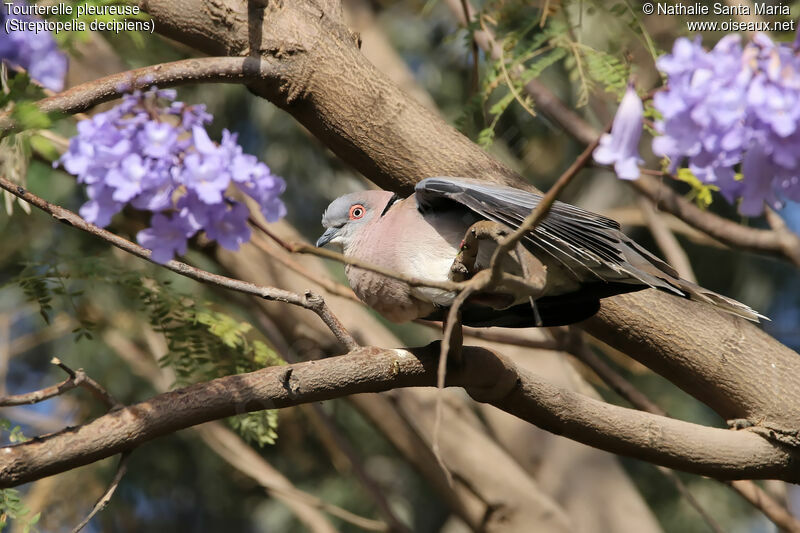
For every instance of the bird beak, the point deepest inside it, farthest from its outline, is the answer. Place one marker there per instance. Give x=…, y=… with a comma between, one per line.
x=327, y=237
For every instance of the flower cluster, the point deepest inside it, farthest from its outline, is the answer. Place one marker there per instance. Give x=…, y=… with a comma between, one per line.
x=154, y=154
x=36, y=52
x=734, y=107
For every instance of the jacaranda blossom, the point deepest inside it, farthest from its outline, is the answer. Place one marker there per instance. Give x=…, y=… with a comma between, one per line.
x=159, y=158
x=731, y=115
x=36, y=52
x=621, y=146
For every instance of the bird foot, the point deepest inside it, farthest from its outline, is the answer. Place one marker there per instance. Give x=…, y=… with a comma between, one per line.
x=463, y=267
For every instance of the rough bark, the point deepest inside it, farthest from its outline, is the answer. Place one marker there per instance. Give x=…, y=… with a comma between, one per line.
x=329, y=87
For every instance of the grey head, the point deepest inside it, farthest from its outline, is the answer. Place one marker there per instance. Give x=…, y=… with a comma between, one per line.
x=346, y=216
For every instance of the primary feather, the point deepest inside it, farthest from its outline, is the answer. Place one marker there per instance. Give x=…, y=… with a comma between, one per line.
x=589, y=247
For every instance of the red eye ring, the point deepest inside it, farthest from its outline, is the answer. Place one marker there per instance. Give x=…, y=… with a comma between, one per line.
x=357, y=211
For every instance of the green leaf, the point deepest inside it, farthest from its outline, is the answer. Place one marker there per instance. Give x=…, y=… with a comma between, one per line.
x=486, y=137
x=257, y=428
x=501, y=105
x=701, y=192
x=29, y=116
x=226, y=328
x=265, y=356
x=16, y=435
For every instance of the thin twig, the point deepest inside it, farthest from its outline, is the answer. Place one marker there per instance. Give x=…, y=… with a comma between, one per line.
x=82, y=379
x=328, y=284
x=507, y=77
x=77, y=378
x=308, y=300
x=573, y=344
x=452, y=322
x=122, y=468
x=41, y=395
x=666, y=240
x=371, y=486
x=712, y=524
x=541, y=210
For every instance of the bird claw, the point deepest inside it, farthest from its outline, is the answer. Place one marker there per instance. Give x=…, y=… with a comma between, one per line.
x=463, y=267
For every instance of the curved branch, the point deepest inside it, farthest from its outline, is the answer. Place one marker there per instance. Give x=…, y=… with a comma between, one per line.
x=205, y=69
x=486, y=376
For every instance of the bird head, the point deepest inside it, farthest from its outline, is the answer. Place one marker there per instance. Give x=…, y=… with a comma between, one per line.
x=346, y=216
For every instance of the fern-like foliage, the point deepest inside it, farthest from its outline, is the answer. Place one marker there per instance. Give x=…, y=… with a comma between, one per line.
x=41, y=283
x=532, y=39
x=12, y=508
x=11, y=505
x=203, y=343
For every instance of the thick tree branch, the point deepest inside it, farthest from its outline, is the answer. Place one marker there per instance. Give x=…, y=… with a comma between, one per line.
x=487, y=377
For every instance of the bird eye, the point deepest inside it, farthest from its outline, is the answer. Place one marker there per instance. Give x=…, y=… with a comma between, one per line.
x=357, y=211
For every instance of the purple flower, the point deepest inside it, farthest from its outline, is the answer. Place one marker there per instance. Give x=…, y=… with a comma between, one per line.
x=158, y=139
x=734, y=105
x=127, y=178
x=621, y=147
x=229, y=226
x=101, y=205
x=160, y=158
x=166, y=236
x=36, y=52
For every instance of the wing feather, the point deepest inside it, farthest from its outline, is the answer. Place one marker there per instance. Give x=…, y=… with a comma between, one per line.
x=577, y=239
x=581, y=241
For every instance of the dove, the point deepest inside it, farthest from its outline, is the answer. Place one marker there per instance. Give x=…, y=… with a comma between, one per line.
x=584, y=257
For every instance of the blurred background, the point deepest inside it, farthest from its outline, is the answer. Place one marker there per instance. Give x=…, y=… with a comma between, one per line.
x=65, y=294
